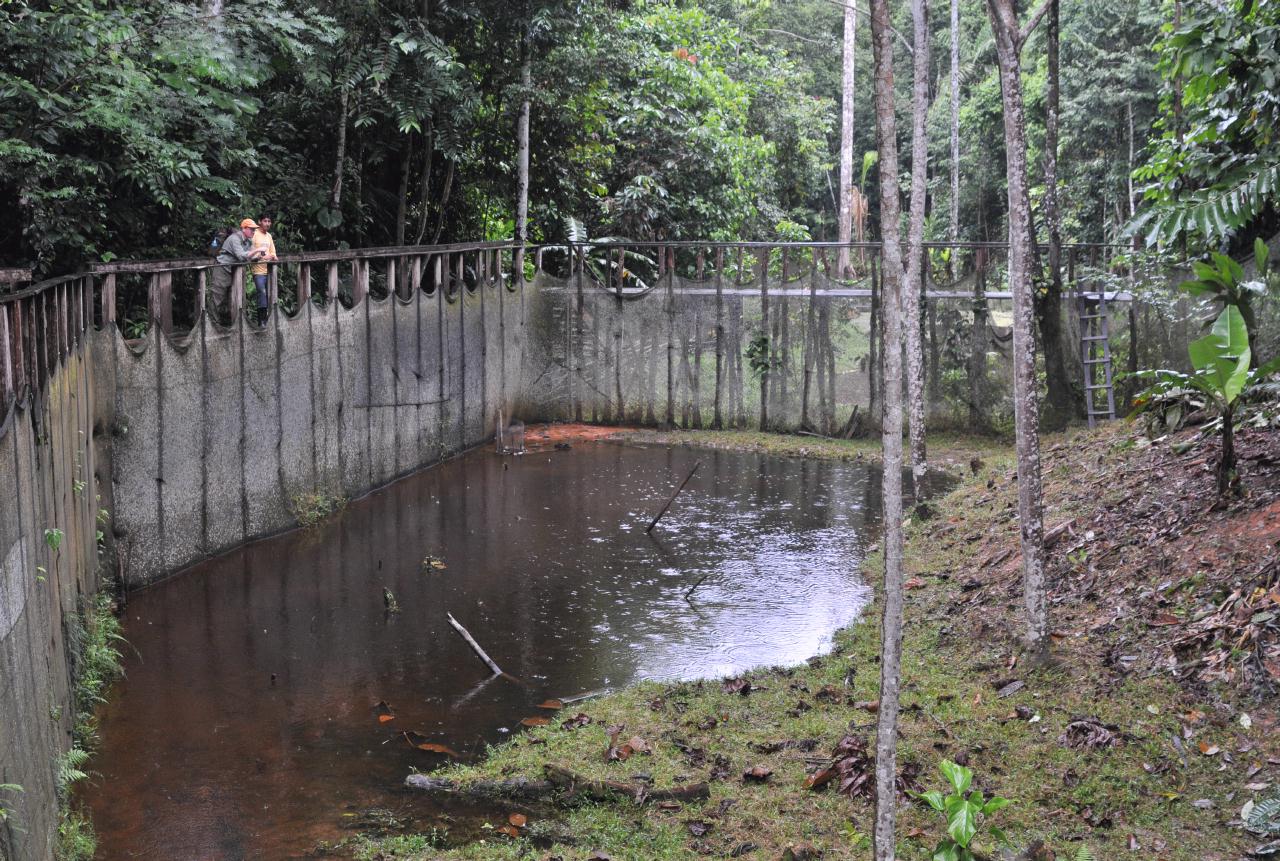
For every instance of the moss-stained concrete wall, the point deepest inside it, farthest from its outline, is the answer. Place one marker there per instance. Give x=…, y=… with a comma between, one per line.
x=213, y=436
x=197, y=444
x=47, y=482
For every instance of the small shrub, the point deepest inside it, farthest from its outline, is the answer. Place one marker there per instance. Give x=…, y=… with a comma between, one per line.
x=966, y=814
x=311, y=508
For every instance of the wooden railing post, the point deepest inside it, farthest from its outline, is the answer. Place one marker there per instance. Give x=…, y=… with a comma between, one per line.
x=304, y=285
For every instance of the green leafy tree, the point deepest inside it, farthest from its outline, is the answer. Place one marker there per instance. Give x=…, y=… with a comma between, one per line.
x=1215, y=169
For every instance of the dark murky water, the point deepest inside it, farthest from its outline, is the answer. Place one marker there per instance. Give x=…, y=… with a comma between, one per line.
x=245, y=727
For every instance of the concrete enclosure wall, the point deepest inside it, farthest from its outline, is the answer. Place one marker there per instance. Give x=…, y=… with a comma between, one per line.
x=48, y=552
x=198, y=441
x=216, y=435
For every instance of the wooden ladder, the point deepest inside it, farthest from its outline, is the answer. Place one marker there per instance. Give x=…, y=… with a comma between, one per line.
x=1095, y=355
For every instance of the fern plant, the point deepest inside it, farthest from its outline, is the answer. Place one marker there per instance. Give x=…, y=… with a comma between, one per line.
x=1084, y=854
x=1264, y=818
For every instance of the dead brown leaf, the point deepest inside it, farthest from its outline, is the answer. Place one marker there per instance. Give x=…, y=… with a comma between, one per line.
x=1089, y=733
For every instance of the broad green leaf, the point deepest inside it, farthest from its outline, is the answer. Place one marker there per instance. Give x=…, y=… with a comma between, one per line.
x=1199, y=288
x=957, y=775
x=1229, y=268
x=963, y=824
x=946, y=851
x=998, y=835
x=1261, y=254
x=1223, y=354
x=995, y=803
x=933, y=798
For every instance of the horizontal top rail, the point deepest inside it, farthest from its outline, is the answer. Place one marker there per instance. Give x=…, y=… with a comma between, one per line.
x=117, y=266
x=865, y=246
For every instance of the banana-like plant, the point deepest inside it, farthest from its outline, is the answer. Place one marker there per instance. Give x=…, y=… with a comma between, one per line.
x=1221, y=359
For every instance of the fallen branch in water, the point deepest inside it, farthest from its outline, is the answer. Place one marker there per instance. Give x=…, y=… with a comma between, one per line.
x=471, y=641
x=559, y=780
x=673, y=496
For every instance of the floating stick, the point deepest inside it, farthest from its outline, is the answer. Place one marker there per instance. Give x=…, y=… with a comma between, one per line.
x=673, y=496
x=457, y=626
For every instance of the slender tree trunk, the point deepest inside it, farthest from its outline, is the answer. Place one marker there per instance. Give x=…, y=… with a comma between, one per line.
x=1004, y=24
x=522, y=137
x=402, y=205
x=845, y=197
x=424, y=184
x=873, y=344
x=915, y=238
x=444, y=201
x=978, y=344
x=891, y=436
x=340, y=158
x=954, y=227
x=1063, y=399
x=1228, y=481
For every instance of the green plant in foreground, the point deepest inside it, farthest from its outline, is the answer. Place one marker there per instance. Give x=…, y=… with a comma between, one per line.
x=966, y=815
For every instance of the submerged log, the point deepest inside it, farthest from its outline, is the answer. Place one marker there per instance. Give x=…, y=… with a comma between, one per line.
x=560, y=780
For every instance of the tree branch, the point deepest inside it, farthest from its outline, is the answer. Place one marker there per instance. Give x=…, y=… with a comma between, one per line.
x=1036, y=18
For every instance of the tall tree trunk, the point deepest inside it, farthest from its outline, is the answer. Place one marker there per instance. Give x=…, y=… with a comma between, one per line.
x=424, y=184
x=915, y=238
x=845, y=196
x=954, y=227
x=402, y=205
x=522, y=136
x=1004, y=24
x=444, y=201
x=340, y=158
x=1063, y=399
x=891, y=435
x=978, y=344
x=873, y=345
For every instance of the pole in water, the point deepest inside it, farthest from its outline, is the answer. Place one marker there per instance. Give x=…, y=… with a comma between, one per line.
x=673, y=496
x=471, y=641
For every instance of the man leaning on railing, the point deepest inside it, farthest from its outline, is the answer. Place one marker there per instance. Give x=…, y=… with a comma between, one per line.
x=237, y=250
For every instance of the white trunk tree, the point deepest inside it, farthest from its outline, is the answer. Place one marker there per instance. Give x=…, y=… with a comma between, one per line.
x=891, y=437
x=1009, y=41
x=954, y=226
x=846, y=141
x=522, y=141
x=916, y=261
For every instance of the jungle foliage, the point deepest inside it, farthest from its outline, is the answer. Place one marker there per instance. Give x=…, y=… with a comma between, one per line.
x=137, y=128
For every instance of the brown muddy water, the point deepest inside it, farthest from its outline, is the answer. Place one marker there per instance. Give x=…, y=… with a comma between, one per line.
x=246, y=725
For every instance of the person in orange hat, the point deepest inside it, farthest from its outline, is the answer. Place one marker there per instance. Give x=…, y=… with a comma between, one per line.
x=237, y=250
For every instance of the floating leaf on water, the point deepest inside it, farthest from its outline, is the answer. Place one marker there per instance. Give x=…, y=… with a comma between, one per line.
x=432, y=747
x=535, y=721
x=551, y=705
x=518, y=819
x=383, y=711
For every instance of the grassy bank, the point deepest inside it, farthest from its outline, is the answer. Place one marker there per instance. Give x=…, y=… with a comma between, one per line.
x=1129, y=744
x=948, y=451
